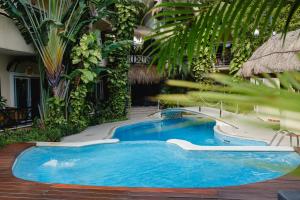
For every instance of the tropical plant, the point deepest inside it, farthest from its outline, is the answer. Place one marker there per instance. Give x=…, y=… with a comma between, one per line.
x=2, y=102
x=79, y=107
x=52, y=25
x=55, y=115
x=244, y=93
x=87, y=57
x=241, y=51
x=53, y=134
x=127, y=15
x=186, y=26
x=202, y=65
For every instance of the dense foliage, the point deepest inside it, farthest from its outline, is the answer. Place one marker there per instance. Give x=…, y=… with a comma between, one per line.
x=203, y=65
x=241, y=52
x=243, y=49
x=56, y=113
x=183, y=27
x=127, y=13
x=53, y=134
x=52, y=31
x=87, y=57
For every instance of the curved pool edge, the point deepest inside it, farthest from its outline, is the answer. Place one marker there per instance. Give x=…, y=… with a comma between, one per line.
x=188, y=146
x=250, y=191
x=224, y=136
x=77, y=144
x=113, y=129
x=219, y=134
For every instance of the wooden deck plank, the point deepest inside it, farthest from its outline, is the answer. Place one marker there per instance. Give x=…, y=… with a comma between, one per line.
x=12, y=188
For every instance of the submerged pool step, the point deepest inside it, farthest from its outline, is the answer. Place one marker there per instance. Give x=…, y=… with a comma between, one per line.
x=192, y=147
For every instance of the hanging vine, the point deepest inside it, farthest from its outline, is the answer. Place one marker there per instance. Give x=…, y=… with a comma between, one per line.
x=86, y=56
x=118, y=86
x=203, y=65
x=241, y=52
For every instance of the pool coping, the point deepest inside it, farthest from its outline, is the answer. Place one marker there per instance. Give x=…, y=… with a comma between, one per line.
x=188, y=146
x=76, y=144
x=20, y=188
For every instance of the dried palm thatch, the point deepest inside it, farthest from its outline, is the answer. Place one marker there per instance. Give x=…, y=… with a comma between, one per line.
x=274, y=56
x=142, y=31
x=143, y=74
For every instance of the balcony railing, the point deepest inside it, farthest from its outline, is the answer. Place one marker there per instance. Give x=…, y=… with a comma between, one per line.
x=139, y=59
x=223, y=60
x=15, y=117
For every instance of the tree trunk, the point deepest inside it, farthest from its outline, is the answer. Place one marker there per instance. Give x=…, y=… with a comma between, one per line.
x=55, y=91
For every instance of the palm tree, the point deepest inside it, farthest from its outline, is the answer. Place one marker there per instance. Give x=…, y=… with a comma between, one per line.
x=51, y=26
x=186, y=26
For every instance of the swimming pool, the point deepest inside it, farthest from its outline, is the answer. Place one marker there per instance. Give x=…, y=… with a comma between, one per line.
x=154, y=164
x=143, y=158
x=194, y=130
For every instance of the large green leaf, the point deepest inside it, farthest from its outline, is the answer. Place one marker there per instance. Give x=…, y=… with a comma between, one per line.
x=185, y=27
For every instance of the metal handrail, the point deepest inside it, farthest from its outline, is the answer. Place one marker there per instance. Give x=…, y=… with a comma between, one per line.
x=278, y=133
x=223, y=59
x=14, y=117
x=196, y=113
x=283, y=134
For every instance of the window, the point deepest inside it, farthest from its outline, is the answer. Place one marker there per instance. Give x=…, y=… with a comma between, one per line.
x=99, y=91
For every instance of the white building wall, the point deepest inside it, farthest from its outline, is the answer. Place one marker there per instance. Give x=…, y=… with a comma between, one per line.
x=11, y=40
x=5, y=78
x=12, y=44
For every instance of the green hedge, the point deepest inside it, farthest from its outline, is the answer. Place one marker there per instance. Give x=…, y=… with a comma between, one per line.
x=36, y=134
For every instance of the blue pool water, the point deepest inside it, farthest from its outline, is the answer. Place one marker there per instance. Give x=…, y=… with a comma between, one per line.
x=144, y=159
x=196, y=131
x=150, y=164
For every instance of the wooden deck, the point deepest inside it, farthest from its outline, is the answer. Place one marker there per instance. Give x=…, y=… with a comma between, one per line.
x=14, y=188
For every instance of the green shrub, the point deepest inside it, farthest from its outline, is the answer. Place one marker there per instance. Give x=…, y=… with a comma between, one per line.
x=36, y=134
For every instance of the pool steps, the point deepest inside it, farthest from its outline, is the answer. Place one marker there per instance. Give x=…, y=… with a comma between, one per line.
x=192, y=147
x=235, y=140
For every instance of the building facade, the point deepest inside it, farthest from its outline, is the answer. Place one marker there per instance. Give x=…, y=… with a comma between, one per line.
x=18, y=71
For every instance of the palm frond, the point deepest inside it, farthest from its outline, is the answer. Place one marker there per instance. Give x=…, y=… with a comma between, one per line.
x=186, y=27
x=284, y=97
x=51, y=26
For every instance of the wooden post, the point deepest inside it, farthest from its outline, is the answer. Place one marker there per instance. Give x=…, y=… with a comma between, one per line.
x=221, y=109
x=158, y=105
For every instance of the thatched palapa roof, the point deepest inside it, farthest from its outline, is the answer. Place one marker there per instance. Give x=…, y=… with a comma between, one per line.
x=142, y=31
x=274, y=56
x=143, y=74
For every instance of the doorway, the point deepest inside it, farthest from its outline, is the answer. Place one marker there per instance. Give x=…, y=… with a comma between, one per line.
x=140, y=94
x=27, y=93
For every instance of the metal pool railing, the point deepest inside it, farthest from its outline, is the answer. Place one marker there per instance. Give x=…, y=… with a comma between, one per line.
x=14, y=117
x=183, y=110
x=280, y=135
